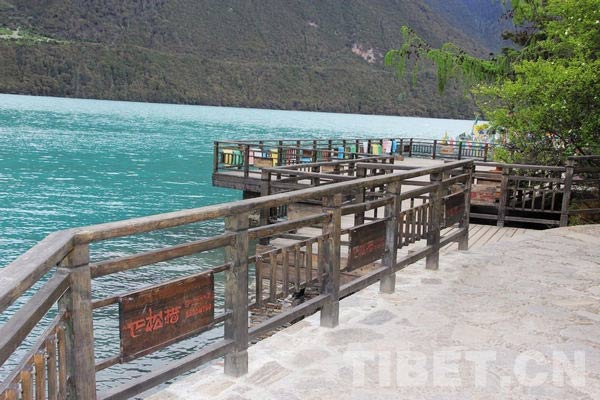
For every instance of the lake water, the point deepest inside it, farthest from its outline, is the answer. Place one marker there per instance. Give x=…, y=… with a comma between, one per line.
x=68, y=162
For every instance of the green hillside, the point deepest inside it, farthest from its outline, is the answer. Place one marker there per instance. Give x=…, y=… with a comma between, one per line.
x=312, y=55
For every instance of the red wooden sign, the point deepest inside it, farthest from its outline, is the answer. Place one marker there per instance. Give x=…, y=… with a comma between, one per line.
x=455, y=208
x=158, y=316
x=367, y=244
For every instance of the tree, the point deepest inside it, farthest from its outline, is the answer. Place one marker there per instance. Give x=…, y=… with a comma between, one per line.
x=545, y=91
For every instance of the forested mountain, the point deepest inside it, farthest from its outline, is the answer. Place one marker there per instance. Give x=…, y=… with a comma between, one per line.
x=294, y=54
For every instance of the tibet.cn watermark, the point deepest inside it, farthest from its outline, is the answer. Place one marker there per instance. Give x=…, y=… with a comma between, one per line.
x=466, y=368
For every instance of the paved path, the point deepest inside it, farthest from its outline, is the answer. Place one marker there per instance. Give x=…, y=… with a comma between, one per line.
x=518, y=319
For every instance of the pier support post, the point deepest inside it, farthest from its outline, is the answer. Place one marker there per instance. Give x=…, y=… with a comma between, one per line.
x=79, y=330
x=330, y=312
x=392, y=212
x=503, y=197
x=236, y=295
x=359, y=218
x=216, y=157
x=566, y=200
x=463, y=243
x=432, y=261
x=265, y=190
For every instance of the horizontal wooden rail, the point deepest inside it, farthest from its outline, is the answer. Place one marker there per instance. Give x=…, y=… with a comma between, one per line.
x=366, y=159
x=18, y=276
x=108, y=267
x=281, y=227
x=521, y=166
x=303, y=174
x=168, y=371
x=13, y=331
x=366, y=206
x=306, y=308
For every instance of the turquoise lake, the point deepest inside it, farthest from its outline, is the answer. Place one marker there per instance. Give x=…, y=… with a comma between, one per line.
x=67, y=162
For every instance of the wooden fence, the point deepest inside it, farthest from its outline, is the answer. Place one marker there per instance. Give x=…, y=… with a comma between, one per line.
x=250, y=156
x=536, y=194
x=61, y=364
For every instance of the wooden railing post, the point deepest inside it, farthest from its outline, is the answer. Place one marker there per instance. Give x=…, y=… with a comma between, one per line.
x=298, y=155
x=331, y=258
x=434, y=149
x=265, y=190
x=401, y=147
x=503, y=201
x=359, y=218
x=351, y=168
x=392, y=212
x=216, y=156
x=463, y=243
x=410, y=147
x=566, y=200
x=485, y=152
x=246, y=160
x=460, y=144
x=433, y=236
x=280, y=158
x=236, y=295
x=77, y=302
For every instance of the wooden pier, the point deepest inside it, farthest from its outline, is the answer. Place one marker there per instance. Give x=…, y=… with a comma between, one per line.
x=61, y=363
x=333, y=227
x=238, y=164
x=534, y=195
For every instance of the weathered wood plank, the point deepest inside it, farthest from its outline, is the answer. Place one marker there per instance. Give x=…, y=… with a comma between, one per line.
x=80, y=330
x=21, y=274
x=169, y=371
x=62, y=362
x=280, y=227
x=433, y=238
x=27, y=384
x=52, y=372
x=331, y=261
x=20, y=324
x=236, y=295
x=152, y=257
x=39, y=363
x=304, y=309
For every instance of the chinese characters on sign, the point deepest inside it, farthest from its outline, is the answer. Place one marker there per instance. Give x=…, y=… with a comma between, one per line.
x=160, y=315
x=367, y=244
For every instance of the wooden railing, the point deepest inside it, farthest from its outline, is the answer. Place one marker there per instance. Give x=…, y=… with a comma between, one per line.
x=583, y=178
x=61, y=364
x=250, y=156
x=536, y=194
x=445, y=149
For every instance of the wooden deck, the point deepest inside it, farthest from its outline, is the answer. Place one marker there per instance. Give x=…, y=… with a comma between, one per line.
x=483, y=235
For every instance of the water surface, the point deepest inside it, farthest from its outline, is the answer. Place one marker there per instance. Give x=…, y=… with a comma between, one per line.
x=67, y=163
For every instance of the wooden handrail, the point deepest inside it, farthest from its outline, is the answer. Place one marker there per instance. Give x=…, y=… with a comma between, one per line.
x=70, y=250
x=18, y=327
x=18, y=276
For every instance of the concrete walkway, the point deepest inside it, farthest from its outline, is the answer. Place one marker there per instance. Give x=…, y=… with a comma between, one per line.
x=519, y=319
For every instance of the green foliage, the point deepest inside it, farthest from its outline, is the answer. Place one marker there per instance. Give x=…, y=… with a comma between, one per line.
x=228, y=52
x=545, y=93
